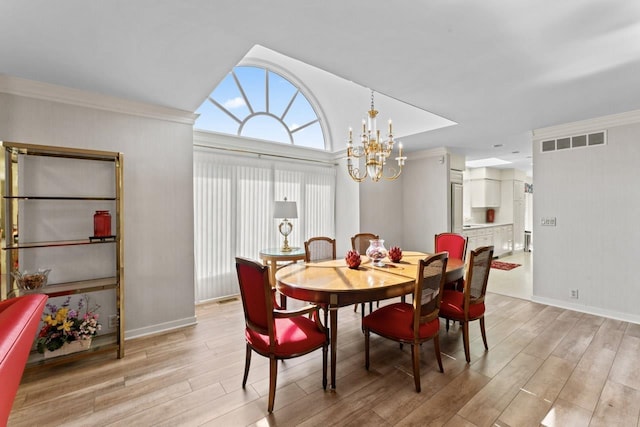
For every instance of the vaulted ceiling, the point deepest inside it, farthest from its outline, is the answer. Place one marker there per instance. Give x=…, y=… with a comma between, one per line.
x=498, y=69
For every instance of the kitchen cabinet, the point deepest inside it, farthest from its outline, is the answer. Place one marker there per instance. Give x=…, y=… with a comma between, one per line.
x=499, y=236
x=478, y=237
x=485, y=193
x=512, y=209
x=503, y=242
x=51, y=195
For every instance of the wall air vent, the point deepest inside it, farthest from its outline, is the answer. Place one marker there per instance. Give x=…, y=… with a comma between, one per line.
x=576, y=141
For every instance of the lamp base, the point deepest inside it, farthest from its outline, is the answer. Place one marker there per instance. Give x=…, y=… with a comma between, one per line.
x=285, y=229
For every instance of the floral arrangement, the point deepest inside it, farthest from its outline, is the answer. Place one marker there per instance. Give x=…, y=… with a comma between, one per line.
x=63, y=325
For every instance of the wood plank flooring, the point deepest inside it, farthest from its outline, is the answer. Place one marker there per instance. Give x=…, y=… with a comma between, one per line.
x=545, y=366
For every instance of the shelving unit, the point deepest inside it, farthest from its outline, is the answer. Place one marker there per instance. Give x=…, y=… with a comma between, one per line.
x=50, y=195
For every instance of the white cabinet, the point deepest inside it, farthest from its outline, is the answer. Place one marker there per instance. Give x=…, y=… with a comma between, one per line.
x=500, y=237
x=518, y=190
x=518, y=225
x=485, y=193
x=503, y=242
x=478, y=237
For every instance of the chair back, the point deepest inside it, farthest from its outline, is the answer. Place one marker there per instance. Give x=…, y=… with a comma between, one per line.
x=428, y=289
x=360, y=242
x=256, y=294
x=455, y=244
x=319, y=249
x=475, y=286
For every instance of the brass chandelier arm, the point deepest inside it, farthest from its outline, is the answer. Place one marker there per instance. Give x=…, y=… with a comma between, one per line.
x=375, y=151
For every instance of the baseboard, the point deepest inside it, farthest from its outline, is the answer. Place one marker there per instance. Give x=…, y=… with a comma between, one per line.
x=616, y=315
x=161, y=327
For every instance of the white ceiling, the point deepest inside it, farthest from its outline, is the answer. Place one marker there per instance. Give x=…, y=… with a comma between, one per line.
x=497, y=68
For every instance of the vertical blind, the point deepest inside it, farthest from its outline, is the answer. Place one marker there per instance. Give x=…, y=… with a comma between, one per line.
x=233, y=212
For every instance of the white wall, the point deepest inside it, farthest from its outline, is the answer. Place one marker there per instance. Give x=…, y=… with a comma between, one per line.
x=381, y=210
x=347, y=209
x=426, y=196
x=592, y=193
x=158, y=182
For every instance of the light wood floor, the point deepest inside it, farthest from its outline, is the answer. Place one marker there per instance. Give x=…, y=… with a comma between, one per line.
x=545, y=366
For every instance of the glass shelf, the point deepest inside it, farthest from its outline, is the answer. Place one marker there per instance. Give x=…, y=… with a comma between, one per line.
x=90, y=241
x=59, y=198
x=61, y=289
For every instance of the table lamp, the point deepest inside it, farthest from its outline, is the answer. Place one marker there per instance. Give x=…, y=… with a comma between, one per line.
x=285, y=210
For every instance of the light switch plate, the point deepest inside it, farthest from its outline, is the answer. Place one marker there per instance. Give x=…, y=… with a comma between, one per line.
x=548, y=221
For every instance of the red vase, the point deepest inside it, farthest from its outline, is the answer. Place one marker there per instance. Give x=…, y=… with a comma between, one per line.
x=490, y=215
x=102, y=224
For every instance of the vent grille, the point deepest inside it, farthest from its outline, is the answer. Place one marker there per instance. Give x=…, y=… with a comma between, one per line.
x=576, y=141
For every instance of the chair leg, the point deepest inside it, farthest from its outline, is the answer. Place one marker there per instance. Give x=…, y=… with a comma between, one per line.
x=415, y=355
x=447, y=325
x=484, y=333
x=247, y=362
x=436, y=346
x=366, y=349
x=465, y=339
x=325, y=349
x=273, y=372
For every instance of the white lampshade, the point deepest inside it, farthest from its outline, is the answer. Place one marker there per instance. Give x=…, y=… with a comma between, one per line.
x=285, y=209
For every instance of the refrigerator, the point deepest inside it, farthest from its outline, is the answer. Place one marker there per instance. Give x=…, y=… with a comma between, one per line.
x=456, y=208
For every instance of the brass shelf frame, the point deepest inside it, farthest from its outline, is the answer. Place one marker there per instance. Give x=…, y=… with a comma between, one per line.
x=107, y=342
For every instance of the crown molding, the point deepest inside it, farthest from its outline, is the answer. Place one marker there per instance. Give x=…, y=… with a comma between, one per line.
x=584, y=126
x=49, y=92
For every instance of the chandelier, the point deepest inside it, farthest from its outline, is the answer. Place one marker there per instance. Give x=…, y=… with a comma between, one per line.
x=374, y=150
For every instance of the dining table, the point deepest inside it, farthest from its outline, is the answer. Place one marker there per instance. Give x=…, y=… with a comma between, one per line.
x=332, y=284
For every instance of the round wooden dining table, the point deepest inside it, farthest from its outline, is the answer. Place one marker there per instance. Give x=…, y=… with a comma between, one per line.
x=332, y=284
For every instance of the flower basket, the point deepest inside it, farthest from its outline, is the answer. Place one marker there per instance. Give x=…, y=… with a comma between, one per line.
x=69, y=348
x=65, y=330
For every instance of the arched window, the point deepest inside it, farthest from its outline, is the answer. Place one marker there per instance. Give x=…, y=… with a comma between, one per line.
x=254, y=102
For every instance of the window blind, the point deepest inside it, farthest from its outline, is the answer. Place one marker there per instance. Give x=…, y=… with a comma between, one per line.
x=233, y=212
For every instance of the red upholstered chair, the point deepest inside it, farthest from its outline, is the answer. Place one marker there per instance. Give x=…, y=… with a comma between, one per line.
x=319, y=249
x=468, y=305
x=456, y=245
x=413, y=323
x=276, y=334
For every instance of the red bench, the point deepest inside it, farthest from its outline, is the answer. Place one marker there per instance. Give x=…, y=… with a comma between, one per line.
x=19, y=320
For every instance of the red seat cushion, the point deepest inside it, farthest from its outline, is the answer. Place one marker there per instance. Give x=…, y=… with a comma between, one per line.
x=452, y=306
x=295, y=335
x=396, y=321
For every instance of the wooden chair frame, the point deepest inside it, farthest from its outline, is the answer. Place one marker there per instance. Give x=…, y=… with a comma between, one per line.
x=356, y=241
x=469, y=300
x=273, y=313
x=308, y=244
x=419, y=318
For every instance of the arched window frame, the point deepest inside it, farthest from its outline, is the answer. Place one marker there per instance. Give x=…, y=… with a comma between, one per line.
x=301, y=90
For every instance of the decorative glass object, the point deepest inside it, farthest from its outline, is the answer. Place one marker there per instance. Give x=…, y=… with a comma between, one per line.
x=377, y=252
x=102, y=224
x=31, y=280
